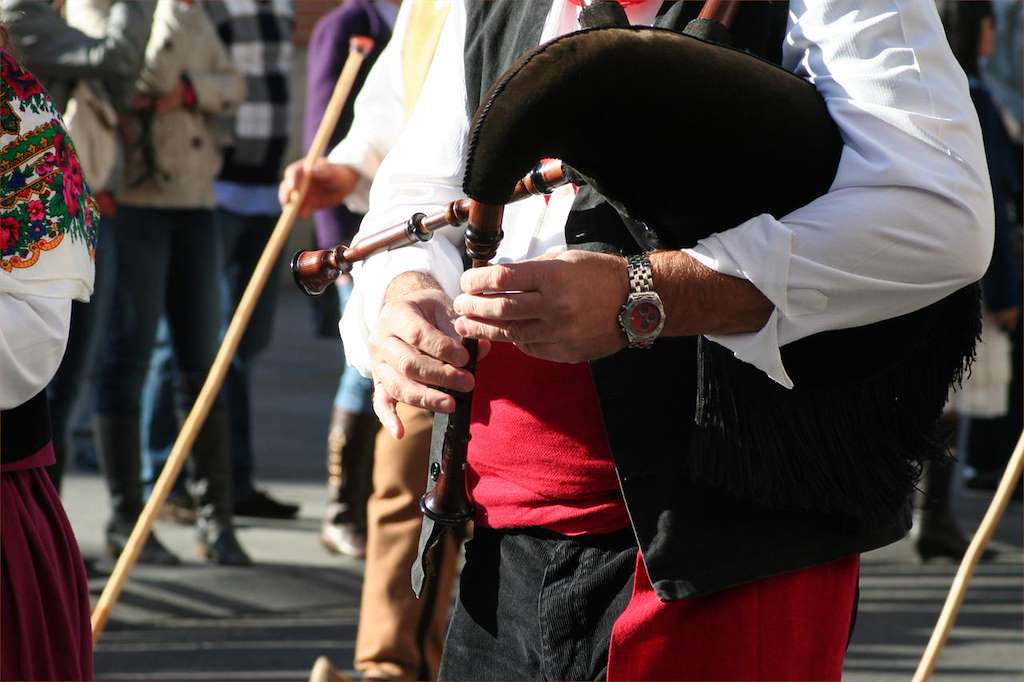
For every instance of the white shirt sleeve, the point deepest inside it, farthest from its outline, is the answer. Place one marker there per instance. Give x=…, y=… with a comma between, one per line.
x=378, y=116
x=908, y=219
x=421, y=172
x=33, y=335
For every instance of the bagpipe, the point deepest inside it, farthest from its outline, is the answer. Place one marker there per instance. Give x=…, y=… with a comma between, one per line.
x=740, y=137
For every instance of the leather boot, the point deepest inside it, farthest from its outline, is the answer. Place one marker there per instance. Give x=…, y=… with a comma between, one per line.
x=349, y=482
x=936, y=532
x=119, y=446
x=211, y=486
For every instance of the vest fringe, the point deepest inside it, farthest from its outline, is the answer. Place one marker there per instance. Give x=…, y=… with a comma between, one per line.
x=761, y=442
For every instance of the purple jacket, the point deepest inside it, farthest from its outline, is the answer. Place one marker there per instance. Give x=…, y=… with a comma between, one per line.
x=328, y=50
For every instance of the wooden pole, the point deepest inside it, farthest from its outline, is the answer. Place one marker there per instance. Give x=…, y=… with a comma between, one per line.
x=359, y=47
x=963, y=575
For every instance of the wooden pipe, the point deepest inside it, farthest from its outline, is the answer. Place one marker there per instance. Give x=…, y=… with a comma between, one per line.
x=314, y=271
x=447, y=502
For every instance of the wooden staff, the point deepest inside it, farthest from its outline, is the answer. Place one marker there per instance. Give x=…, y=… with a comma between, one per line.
x=963, y=575
x=359, y=47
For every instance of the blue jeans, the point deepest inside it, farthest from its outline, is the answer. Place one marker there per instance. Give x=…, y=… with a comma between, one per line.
x=355, y=392
x=159, y=427
x=168, y=262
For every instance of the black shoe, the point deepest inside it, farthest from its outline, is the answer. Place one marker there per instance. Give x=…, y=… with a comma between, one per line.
x=988, y=481
x=153, y=552
x=91, y=571
x=219, y=545
x=261, y=505
x=939, y=536
x=981, y=480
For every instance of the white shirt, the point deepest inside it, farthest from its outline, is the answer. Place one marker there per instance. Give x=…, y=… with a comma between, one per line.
x=33, y=335
x=378, y=115
x=907, y=221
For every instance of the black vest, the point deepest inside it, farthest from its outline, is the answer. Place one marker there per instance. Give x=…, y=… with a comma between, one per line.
x=696, y=535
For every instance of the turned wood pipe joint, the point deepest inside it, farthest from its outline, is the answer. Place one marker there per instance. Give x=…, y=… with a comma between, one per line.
x=314, y=271
x=545, y=178
x=483, y=233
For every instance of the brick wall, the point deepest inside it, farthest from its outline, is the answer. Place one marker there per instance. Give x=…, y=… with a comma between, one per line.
x=306, y=14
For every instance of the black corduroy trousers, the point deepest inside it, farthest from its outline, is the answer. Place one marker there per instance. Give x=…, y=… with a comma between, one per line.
x=535, y=605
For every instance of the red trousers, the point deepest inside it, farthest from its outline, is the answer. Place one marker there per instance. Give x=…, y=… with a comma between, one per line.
x=787, y=627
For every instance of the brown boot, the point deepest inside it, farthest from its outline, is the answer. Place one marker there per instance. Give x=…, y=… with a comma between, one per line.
x=349, y=482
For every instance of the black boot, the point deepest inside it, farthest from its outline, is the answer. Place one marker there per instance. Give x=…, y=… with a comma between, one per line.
x=153, y=551
x=350, y=442
x=211, y=487
x=936, y=533
x=118, y=443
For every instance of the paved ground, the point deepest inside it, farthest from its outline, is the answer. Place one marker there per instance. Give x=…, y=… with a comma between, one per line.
x=272, y=620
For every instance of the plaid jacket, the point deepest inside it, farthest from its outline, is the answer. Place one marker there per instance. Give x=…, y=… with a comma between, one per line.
x=258, y=37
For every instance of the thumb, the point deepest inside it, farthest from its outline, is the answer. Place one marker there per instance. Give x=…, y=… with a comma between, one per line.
x=292, y=176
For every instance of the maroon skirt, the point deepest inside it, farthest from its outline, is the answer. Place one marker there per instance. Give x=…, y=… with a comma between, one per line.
x=44, y=595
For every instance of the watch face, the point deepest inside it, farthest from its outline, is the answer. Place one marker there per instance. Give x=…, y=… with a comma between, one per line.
x=644, y=318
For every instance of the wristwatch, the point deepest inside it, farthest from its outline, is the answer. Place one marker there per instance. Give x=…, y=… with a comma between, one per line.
x=642, y=316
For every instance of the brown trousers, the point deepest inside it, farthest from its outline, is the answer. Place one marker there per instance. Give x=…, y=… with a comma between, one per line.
x=400, y=637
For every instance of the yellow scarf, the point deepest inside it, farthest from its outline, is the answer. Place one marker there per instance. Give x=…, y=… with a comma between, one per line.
x=425, y=22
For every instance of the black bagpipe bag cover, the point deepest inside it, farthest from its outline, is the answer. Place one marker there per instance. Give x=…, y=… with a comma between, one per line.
x=691, y=138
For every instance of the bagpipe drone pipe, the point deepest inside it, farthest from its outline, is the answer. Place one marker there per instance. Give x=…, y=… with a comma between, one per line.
x=733, y=136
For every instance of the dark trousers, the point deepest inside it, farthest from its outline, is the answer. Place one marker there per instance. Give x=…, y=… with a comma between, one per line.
x=167, y=261
x=244, y=238
x=534, y=605
x=88, y=324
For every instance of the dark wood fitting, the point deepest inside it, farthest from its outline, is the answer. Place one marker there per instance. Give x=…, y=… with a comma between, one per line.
x=314, y=271
x=483, y=234
x=447, y=502
x=722, y=11
x=546, y=177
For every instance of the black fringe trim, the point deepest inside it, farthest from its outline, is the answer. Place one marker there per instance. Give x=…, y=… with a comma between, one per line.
x=847, y=446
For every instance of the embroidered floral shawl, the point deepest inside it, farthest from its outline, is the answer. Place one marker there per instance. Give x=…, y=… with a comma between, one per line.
x=48, y=218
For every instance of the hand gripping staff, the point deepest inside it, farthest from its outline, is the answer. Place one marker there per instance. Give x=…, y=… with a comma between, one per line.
x=359, y=47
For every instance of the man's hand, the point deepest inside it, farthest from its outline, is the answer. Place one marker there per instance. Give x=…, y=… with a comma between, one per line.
x=415, y=348
x=566, y=308
x=329, y=185
x=562, y=308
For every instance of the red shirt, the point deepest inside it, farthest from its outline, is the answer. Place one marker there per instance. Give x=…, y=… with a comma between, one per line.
x=538, y=452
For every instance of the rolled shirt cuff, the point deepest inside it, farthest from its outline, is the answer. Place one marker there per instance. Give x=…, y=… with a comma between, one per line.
x=758, y=251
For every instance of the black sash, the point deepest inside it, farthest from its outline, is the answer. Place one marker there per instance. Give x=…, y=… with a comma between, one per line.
x=25, y=429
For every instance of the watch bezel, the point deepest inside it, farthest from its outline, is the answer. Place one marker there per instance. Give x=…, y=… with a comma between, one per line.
x=634, y=337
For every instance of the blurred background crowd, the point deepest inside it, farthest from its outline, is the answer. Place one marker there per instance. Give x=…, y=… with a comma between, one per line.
x=186, y=115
